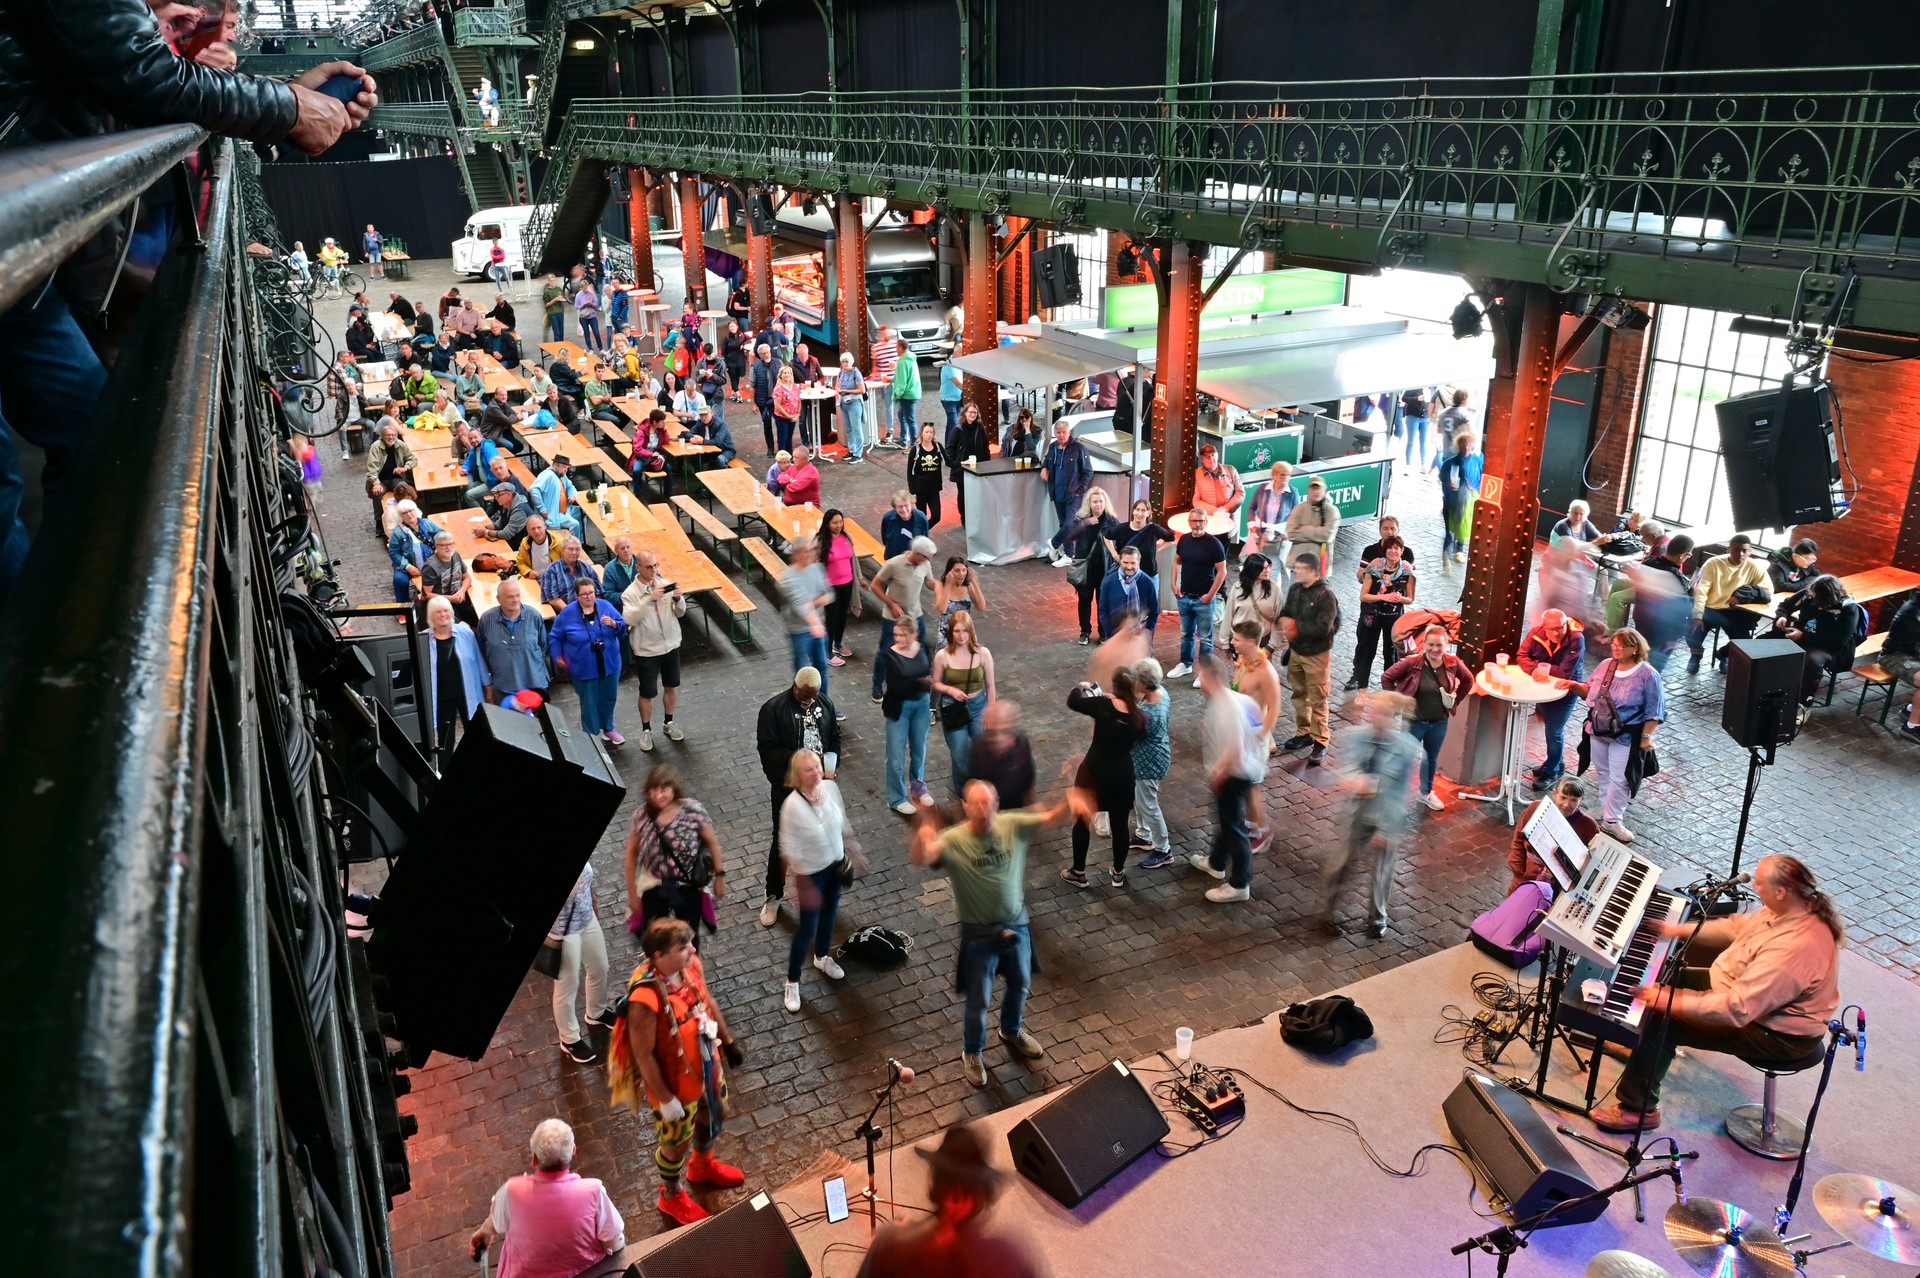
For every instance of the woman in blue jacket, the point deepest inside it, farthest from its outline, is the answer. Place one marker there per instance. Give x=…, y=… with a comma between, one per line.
x=456, y=671
x=585, y=642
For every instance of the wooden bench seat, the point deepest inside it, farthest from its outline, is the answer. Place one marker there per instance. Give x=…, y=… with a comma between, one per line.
x=698, y=516
x=764, y=555
x=738, y=464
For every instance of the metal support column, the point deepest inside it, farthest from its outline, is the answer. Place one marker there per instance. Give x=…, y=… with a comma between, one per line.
x=980, y=310
x=850, y=266
x=693, y=249
x=639, y=232
x=760, y=277
x=743, y=24
x=1500, y=563
x=1015, y=276
x=1177, y=397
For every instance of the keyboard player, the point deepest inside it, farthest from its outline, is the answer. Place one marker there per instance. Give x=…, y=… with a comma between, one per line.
x=1773, y=985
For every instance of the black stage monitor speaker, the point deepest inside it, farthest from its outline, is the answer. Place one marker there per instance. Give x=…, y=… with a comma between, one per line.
x=1527, y=1166
x=1078, y=1141
x=469, y=903
x=760, y=213
x=748, y=1240
x=1799, y=488
x=1763, y=689
x=1056, y=274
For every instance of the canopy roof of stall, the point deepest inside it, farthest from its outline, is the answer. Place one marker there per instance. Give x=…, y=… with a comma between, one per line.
x=1042, y=361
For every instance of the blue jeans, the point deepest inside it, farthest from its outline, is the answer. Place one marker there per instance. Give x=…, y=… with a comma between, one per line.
x=499, y=275
x=597, y=697
x=590, y=332
x=952, y=407
x=1063, y=512
x=905, y=412
x=810, y=651
x=1431, y=734
x=49, y=388
x=907, y=748
x=1416, y=430
x=819, y=902
x=1007, y=949
x=960, y=740
x=402, y=586
x=1196, y=622
x=880, y=653
x=557, y=326
x=853, y=418
x=1553, y=717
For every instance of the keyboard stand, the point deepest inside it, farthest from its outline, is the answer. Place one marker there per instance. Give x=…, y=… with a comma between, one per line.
x=1554, y=962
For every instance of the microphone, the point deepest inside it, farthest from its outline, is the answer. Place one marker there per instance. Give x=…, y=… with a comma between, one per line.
x=1859, y=1040
x=902, y=1073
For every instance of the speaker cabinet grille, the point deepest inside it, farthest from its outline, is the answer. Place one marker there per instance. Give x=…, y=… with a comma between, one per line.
x=748, y=1240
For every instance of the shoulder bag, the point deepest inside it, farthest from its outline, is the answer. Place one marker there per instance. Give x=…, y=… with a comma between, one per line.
x=1077, y=571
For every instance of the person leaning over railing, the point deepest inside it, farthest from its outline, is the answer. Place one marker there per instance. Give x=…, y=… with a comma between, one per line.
x=74, y=71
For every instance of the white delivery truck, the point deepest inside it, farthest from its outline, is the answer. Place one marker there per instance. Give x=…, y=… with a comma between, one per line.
x=473, y=251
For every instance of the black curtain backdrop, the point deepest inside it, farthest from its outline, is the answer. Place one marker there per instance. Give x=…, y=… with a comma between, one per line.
x=1369, y=39
x=906, y=46
x=710, y=58
x=1085, y=42
x=420, y=201
x=793, y=47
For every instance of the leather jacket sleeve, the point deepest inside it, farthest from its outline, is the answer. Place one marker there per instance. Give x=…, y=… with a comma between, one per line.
x=108, y=55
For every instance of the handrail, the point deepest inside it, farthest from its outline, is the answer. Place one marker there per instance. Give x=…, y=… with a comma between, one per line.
x=54, y=197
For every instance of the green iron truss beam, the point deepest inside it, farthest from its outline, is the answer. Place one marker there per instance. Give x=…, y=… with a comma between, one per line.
x=1694, y=191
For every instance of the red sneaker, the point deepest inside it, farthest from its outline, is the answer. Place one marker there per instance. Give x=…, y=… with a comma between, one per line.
x=680, y=1208
x=705, y=1169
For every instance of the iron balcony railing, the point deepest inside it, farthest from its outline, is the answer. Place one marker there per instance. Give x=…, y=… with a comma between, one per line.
x=432, y=119
x=188, y=1085
x=424, y=43
x=1577, y=182
x=500, y=24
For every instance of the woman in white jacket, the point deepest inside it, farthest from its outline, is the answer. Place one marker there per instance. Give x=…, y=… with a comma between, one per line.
x=816, y=841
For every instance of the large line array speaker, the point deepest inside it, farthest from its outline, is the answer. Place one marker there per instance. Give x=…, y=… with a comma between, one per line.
x=395, y=684
x=760, y=213
x=1080, y=1140
x=1763, y=687
x=748, y=1240
x=1526, y=1164
x=1056, y=275
x=1798, y=489
x=469, y=903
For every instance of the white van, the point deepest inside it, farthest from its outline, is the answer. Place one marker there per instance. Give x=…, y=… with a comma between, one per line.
x=473, y=251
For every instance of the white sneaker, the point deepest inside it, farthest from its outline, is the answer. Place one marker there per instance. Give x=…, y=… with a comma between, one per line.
x=1102, y=827
x=1432, y=800
x=1180, y=671
x=1227, y=892
x=1063, y=561
x=825, y=965
x=792, y=996
x=674, y=733
x=905, y=808
x=769, y=912
x=646, y=738
x=1198, y=861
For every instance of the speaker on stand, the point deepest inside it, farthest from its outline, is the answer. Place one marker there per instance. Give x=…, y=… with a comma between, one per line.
x=1056, y=276
x=1763, y=691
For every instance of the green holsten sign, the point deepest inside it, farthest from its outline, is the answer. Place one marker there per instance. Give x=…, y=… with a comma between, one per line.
x=1354, y=490
x=1265, y=293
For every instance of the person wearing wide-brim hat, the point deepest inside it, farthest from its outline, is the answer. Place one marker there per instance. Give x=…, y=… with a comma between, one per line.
x=955, y=1240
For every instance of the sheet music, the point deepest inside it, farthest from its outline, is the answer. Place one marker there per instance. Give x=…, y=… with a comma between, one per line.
x=1558, y=846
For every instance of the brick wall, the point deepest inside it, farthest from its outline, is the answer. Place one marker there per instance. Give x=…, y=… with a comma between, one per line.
x=1880, y=404
x=1618, y=398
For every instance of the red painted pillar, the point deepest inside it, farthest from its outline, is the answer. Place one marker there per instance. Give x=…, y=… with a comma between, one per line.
x=760, y=277
x=981, y=310
x=693, y=248
x=1176, y=399
x=1493, y=609
x=1015, y=292
x=639, y=232
x=850, y=274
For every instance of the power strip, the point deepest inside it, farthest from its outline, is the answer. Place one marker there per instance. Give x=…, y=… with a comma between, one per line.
x=1209, y=1099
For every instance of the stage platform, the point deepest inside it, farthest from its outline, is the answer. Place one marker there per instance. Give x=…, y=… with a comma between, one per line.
x=1285, y=1195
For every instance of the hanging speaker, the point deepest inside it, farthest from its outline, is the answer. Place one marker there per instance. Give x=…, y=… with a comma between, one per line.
x=1056, y=276
x=1779, y=482
x=760, y=213
x=618, y=184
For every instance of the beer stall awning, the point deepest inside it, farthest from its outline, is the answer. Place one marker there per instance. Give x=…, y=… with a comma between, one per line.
x=1322, y=371
x=1039, y=363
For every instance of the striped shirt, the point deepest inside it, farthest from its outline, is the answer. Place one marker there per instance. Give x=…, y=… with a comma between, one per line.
x=886, y=355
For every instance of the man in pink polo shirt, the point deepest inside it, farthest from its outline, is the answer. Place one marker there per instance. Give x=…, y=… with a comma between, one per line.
x=550, y=1223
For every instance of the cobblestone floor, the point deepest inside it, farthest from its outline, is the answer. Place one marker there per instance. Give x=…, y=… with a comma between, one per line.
x=1120, y=969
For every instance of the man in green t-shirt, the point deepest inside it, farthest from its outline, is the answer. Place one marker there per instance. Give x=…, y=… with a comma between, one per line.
x=985, y=856
x=554, y=299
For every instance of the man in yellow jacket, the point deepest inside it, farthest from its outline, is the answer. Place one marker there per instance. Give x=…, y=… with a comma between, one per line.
x=1713, y=603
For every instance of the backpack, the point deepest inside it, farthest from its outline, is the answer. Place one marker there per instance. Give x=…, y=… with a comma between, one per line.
x=876, y=946
x=1510, y=930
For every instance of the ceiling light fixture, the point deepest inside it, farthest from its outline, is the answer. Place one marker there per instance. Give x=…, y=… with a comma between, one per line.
x=584, y=45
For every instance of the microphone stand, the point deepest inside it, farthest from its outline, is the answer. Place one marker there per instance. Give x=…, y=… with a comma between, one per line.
x=1839, y=1034
x=871, y=1134
x=1508, y=1239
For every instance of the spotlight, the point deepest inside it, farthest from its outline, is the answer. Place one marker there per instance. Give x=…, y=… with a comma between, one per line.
x=1466, y=318
x=808, y=207
x=584, y=45
x=1128, y=261
x=1618, y=312
x=997, y=224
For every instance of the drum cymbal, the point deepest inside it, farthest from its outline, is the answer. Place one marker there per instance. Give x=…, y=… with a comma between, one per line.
x=1623, y=1264
x=1721, y=1240
x=1874, y=1215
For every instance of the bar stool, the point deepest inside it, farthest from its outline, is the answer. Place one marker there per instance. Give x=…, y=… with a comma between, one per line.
x=1758, y=1128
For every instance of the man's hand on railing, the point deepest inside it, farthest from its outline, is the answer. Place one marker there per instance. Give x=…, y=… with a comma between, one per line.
x=323, y=119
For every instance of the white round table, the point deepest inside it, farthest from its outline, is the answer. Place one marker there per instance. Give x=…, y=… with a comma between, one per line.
x=1522, y=694
x=651, y=316
x=812, y=398
x=710, y=322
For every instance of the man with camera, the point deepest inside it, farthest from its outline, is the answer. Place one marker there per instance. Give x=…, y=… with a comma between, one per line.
x=653, y=607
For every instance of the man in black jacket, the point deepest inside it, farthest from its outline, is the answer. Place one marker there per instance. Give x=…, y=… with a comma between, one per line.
x=1309, y=618
x=798, y=718
x=361, y=340
x=75, y=71
x=498, y=419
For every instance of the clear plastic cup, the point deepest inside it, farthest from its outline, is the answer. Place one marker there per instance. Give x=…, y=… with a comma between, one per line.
x=1183, y=1043
x=1502, y=659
